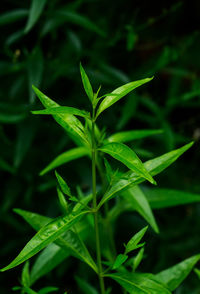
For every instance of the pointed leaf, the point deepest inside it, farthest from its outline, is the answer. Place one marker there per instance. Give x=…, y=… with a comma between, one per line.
x=138, y=258
x=154, y=166
x=120, y=93
x=161, y=198
x=174, y=276
x=136, y=200
x=68, y=121
x=128, y=157
x=120, y=259
x=139, y=283
x=36, y=9
x=62, y=200
x=45, y=236
x=25, y=275
x=68, y=241
x=48, y=290
x=63, y=110
x=132, y=135
x=65, y=157
x=63, y=185
x=133, y=243
x=86, y=84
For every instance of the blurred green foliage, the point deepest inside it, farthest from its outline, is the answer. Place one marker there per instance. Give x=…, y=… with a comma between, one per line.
x=42, y=43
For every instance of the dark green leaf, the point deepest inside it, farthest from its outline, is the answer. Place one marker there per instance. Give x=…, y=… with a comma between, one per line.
x=174, y=276
x=12, y=16
x=35, y=11
x=128, y=157
x=161, y=198
x=85, y=287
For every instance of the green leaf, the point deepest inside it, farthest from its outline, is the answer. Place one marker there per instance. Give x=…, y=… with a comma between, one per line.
x=138, y=258
x=154, y=166
x=68, y=121
x=63, y=110
x=120, y=259
x=47, y=260
x=12, y=16
x=29, y=290
x=65, y=157
x=139, y=283
x=35, y=11
x=68, y=241
x=85, y=287
x=44, y=236
x=25, y=275
x=174, y=276
x=136, y=200
x=197, y=272
x=48, y=290
x=86, y=84
x=128, y=157
x=63, y=185
x=161, y=198
x=132, y=135
x=62, y=200
x=120, y=93
x=133, y=243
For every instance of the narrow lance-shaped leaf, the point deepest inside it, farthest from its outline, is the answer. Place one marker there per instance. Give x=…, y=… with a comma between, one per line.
x=132, y=135
x=63, y=110
x=128, y=157
x=63, y=185
x=36, y=9
x=48, y=290
x=136, y=200
x=174, y=276
x=120, y=93
x=161, y=198
x=25, y=275
x=133, y=242
x=120, y=259
x=138, y=258
x=69, y=122
x=86, y=84
x=65, y=157
x=45, y=236
x=154, y=166
x=69, y=241
x=139, y=283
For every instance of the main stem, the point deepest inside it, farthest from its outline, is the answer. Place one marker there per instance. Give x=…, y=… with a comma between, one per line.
x=96, y=225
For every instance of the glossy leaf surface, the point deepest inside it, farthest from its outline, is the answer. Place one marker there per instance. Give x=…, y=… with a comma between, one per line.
x=45, y=236
x=120, y=93
x=153, y=166
x=128, y=157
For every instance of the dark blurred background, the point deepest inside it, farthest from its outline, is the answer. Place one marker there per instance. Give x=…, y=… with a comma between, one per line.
x=117, y=42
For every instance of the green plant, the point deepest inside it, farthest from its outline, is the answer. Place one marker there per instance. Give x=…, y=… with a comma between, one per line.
x=68, y=235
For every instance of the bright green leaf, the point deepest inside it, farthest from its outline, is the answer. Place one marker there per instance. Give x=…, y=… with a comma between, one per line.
x=138, y=258
x=139, y=283
x=154, y=166
x=128, y=157
x=120, y=93
x=65, y=157
x=48, y=290
x=44, y=236
x=133, y=242
x=86, y=84
x=25, y=275
x=63, y=110
x=63, y=185
x=62, y=200
x=120, y=259
x=174, y=276
x=132, y=135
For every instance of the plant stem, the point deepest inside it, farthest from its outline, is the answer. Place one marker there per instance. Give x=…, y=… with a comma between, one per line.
x=98, y=247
